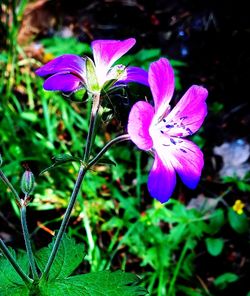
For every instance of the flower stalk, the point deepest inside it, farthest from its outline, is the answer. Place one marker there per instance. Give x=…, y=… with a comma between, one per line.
x=65, y=222
x=27, y=242
x=9, y=185
x=82, y=171
x=117, y=140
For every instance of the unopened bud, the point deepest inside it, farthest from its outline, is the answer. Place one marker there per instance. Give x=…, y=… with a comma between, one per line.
x=27, y=182
x=92, y=83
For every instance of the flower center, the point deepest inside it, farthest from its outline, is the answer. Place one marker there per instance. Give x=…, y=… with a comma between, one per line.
x=168, y=132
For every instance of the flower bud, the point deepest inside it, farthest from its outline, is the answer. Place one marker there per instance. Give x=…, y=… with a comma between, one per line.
x=27, y=182
x=92, y=83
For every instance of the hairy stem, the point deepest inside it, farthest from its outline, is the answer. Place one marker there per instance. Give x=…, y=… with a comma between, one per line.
x=28, y=244
x=65, y=221
x=28, y=281
x=9, y=185
x=106, y=147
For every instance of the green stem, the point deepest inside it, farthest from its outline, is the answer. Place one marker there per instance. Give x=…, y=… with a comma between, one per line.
x=28, y=244
x=81, y=174
x=9, y=185
x=65, y=221
x=177, y=269
x=92, y=124
x=106, y=147
x=15, y=265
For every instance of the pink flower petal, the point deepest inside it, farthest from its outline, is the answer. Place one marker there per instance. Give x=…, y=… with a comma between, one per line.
x=188, y=115
x=139, y=121
x=107, y=52
x=66, y=63
x=161, y=180
x=161, y=81
x=63, y=81
x=187, y=160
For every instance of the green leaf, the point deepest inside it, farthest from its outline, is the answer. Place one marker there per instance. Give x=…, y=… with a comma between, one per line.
x=29, y=116
x=216, y=222
x=59, y=160
x=16, y=290
x=58, y=46
x=239, y=223
x=95, y=284
x=224, y=279
x=148, y=54
x=69, y=257
x=9, y=279
x=248, y=294
x=214, y=246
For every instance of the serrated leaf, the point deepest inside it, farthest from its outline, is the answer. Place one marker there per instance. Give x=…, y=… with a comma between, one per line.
x=9, y=279
x=16, y=290
x=59, y=160
x=69, y=257
x=214, y=246
x=103, y=283
x=224, y=279
x=239, y=223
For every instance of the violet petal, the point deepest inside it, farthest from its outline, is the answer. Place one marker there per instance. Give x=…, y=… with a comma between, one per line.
x=161, y=180
x=65, y=82
x=135, y=74
x=187, y=159
x=107, y=52
x=139, y=121
x=65, y=63
x=188, y=115
x=161, y=81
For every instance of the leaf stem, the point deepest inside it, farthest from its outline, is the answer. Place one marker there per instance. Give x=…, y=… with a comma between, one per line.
x=28, y=244
x=9, y=185
x=14, y=263
x=65, y=221
x=106, y=147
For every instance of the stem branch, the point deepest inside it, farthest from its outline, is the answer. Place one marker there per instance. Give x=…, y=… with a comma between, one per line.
x=15, y=265
x=65, y=221
x=9, y=185
x=106, y=147
x=28, y=244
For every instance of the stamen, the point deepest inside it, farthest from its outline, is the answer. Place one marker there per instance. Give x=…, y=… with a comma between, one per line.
x=189, y=131
x=183, y=150
x=169, y=126
x=172, y=141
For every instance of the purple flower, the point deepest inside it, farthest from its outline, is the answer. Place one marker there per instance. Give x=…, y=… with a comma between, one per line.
x=161, y=131
x=70, y=72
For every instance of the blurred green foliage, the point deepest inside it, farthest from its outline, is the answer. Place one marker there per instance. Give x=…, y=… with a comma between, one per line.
x=119, y=226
